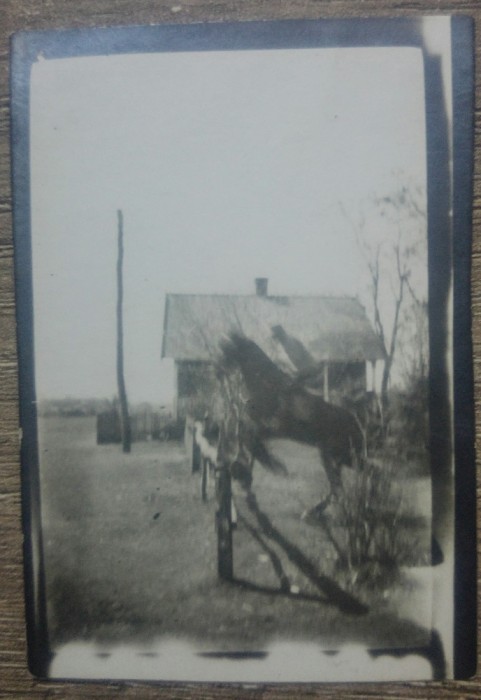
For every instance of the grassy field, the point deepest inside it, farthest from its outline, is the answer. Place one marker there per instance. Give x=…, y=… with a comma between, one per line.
x=130, y=553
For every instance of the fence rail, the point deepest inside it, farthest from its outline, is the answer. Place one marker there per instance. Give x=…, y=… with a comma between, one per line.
x=144, y=426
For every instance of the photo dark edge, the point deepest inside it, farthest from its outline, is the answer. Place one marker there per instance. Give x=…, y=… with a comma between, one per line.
x=465, y=621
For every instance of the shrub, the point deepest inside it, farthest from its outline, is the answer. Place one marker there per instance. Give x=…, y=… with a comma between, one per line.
x=371, y=528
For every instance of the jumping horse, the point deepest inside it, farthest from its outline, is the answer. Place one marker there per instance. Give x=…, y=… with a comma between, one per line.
x=280, y=407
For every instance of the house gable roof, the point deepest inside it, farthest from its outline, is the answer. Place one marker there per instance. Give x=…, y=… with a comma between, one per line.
x=330, y=328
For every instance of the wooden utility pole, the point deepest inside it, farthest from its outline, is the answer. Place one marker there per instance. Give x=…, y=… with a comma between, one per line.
x=125, y=428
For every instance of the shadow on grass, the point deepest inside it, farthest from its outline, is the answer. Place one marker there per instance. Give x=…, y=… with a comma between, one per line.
x=268, y=590
x=275, y=560
x=334, y=595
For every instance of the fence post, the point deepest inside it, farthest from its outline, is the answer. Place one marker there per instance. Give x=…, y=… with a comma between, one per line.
x=123, y=403
x=204, y=482
x=196, y=453
x=225, y=562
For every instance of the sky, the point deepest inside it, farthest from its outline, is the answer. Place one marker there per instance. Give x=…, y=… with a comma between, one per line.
x=227, y=166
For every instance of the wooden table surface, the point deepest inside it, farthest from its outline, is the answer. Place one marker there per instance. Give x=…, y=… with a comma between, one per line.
x=15, y=680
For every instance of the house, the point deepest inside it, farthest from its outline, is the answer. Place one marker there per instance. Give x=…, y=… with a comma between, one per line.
x=327, y=340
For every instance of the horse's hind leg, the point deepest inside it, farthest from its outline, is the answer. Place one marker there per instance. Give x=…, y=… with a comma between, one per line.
x=333, y=473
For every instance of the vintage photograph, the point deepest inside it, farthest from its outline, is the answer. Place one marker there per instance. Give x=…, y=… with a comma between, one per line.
x=239, y=462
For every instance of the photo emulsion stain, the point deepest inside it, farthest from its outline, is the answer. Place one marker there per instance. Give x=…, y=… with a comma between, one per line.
x=232, y=301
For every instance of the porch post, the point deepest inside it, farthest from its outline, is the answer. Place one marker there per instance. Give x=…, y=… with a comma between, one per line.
x=371, y=375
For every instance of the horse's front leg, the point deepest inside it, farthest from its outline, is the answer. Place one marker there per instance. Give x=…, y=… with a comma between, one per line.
x=333, y=473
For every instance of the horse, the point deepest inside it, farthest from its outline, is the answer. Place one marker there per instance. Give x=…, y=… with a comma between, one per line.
x=279, y=406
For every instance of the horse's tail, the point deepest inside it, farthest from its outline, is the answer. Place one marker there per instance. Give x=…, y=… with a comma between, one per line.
x=261, y=454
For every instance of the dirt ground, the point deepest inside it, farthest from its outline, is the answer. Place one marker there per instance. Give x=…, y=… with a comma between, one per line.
x=131, y=554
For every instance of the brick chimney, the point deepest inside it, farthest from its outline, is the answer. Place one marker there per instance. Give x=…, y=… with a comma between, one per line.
x=261, y=286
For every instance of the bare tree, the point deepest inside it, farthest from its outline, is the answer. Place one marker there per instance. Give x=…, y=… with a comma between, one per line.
x=124, y=407
x=393, y=244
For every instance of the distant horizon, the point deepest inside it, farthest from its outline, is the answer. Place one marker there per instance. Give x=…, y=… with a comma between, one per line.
x=97, y=399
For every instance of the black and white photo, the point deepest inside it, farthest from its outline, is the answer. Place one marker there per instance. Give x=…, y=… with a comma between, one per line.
x=238, y=301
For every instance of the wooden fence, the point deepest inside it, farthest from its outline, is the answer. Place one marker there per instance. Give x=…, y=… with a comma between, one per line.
x=144, y=426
